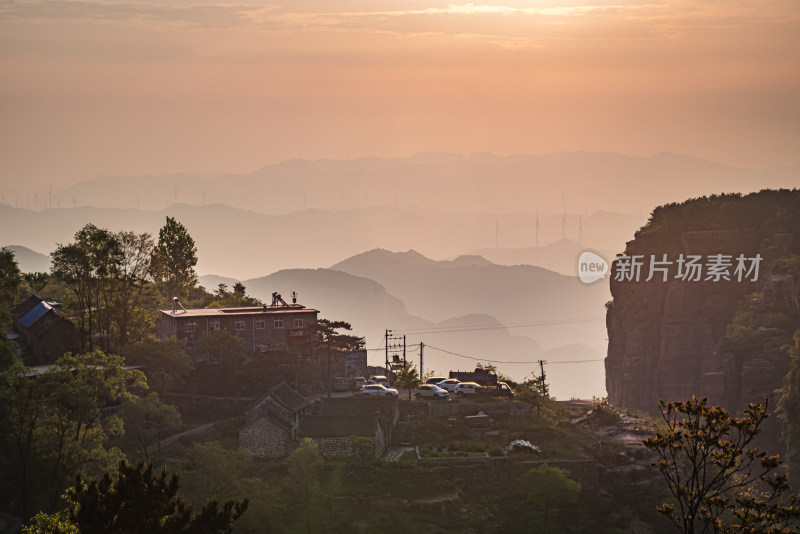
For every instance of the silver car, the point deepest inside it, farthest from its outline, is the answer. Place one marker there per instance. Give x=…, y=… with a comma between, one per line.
x=378, y=389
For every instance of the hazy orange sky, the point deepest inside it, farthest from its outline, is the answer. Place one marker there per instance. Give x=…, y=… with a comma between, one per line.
x=127, y=87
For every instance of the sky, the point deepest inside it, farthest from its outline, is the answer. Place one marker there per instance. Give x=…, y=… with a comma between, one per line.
x=92, y=87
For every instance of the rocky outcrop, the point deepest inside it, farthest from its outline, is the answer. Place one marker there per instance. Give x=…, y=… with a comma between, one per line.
x=670, y=340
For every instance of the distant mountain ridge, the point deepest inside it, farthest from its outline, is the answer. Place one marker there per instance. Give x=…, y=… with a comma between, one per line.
x=245, y=244
x=475, y=335
x=479, y=182
x=30, y=261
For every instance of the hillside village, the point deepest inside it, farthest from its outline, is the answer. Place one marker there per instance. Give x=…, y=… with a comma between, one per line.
x=258, y=384
x=119, y=360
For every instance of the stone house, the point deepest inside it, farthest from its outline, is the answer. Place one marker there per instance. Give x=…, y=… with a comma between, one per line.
x=271, y=424
x=46, y=333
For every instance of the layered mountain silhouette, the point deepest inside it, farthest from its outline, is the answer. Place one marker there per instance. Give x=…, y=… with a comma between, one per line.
x=479, y=182
x=460, y=332
x=246, y=244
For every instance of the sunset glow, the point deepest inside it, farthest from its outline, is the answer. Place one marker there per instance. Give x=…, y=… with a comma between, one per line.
x=92, y=87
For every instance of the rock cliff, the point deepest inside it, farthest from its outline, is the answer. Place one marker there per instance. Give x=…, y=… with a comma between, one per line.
x=717, y=330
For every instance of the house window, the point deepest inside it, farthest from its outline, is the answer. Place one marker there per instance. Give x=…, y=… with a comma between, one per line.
x=278, y=323
x=188, y=328
x=213, y=324
x=260, y=324
x=239, y=325
x=298, y=323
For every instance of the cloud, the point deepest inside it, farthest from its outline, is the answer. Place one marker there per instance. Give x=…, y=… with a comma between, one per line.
x=187, y=14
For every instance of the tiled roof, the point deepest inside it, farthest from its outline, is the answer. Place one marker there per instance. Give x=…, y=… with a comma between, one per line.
x=288, y=397
x=321, y=426
x=359, y=405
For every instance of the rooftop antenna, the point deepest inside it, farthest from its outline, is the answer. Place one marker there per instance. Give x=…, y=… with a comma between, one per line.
x=294, y=297
x=175, y=304
x=563, y=216
x=580, y=229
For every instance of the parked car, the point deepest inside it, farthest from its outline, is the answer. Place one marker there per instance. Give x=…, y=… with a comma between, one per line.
x=435, y=379
x=449, y=384
x=340, y=383
x=378, y=389
x=359, y=382
x=467, y=388
x=431, y=391
x=379, y=379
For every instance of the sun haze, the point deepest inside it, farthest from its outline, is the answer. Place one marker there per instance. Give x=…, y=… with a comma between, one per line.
x=128, y=87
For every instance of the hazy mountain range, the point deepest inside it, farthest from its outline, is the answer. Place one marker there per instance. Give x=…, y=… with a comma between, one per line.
x=466, y=310
x=491, y=242
x=245, y=244
x=481, y=182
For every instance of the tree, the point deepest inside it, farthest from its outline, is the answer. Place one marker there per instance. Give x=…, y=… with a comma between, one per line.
x=225, y=348
x=37, y=281
x=325, y=335
x=8, y=356
x=56, y=523
x=10, y=280
x=221, y=473
x=719, y=481
x=407, y=378
x=143, y=417
x=213, y=470
x=164, y=360
x=174, y=259
x=131, y=279
x=87, y=267
x=235, y=298
x=301, y=483
x=139, y=501
x=54, y=424
x=549, y=489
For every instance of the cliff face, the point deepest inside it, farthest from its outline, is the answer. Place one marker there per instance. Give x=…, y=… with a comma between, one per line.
x=670, y=340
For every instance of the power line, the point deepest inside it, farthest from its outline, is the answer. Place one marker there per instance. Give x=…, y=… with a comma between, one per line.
x=505, y=362
x=493, y=326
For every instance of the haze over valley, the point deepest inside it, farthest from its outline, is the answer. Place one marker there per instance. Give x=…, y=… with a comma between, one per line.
x=437, y=246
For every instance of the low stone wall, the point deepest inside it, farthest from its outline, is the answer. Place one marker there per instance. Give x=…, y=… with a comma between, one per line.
x=501, y=407
x=336, y=447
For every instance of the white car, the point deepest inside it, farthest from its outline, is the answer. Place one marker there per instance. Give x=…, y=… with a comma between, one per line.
x=431, y=391
x=449, y=384
x=379, y=379
x=378, y=389
x=467, y=388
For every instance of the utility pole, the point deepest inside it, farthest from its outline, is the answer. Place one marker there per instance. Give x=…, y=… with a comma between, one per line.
x=386, y=344
x=393, y=345
x=421, y=368
x=542, y=378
